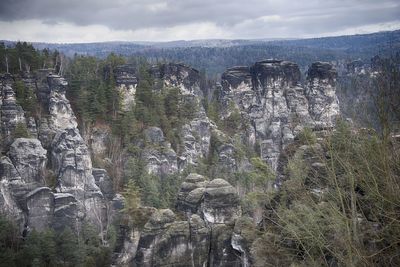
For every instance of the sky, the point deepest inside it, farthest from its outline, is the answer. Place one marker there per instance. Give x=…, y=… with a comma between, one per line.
x=78, y=21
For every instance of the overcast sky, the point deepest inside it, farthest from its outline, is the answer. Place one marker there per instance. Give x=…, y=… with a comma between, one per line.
x=165, y=20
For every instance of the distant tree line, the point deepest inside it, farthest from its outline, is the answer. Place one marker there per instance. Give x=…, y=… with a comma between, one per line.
x=24, y=57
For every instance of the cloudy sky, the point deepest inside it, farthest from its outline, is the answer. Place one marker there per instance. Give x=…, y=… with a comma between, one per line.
x=165, y=20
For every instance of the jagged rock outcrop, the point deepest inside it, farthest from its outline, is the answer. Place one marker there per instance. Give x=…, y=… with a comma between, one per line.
x=64, y=194
x=167, y=242
x=127, y=81
x=71, y=163
x=323, y=104
x=205, y=231
x=10, y=182
x=61, y=114
x=196, y=137
x=178, y=75
x=70, y=157
x=24, y=197
x=204, y=238
x=270, y=96
x=11, y=113
x=195, y=133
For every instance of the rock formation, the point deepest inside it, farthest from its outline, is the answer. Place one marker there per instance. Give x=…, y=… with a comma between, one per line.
x=204, y=238
x=11, y=113
x=161, y=159
x=48, y=181
x=270, y=96
x=64, y=192
x=126, y=81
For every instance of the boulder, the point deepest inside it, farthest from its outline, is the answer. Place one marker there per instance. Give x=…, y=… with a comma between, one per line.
x=191, y=193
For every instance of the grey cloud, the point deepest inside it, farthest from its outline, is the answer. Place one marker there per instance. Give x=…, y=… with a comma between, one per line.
x=296, y=17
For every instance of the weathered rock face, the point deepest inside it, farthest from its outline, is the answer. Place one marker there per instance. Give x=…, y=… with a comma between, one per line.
x=26, y=200
x=221, y=203
x=269, y=95
x=24, y=177
x=11, y=113
x=167, y=242
x=127, y=81
x=104, y=182
x=65, y=211
x=222, y=253
x=70, y=157
x=195, y=133
x=10, y=181
x=204, y=238
x=61, y=114
x=46, y=134
x=160, y=161
x=196, y=140
x=29, y=159
x=181, y=76
x=243, y=237
x=191, y=193
x=40, y=207
x=321, y=94
x=71, y=163
x=160, y=158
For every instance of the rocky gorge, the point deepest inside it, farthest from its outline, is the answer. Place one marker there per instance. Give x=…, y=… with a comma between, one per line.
x=55, y=174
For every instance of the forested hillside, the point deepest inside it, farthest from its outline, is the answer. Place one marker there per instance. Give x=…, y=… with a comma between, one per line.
x=214, y=56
